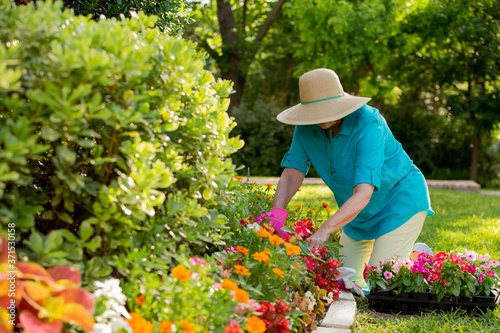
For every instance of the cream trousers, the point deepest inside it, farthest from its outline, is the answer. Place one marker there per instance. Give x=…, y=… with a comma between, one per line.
x=357, y=253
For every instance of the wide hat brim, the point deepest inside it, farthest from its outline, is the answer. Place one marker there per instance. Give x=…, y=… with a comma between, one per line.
x=322, y=111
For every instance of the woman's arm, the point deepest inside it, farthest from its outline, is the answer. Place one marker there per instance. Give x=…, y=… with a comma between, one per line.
x=349, y=210
x=289, y=183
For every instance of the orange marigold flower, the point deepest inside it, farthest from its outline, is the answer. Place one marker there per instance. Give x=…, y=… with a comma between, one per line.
x=241, y=249
x=269, y=228
x=298, y=206
x=268, y=197
x=241, y=295
x=328, y=210
x=313, y=211
x=187, y=327
x=261, y=256
x=139, y=325
x=299, y=190
x=279, y=272
x=292, y=249
x=255, y=325
x=242, y=270
x=296, y=264
x=269, y=185
x=324, y=204
x=166, y=326
x=263, y=233
x=250, y=218
x=266, y=251
x=275, y=239
x=231, y=285
x=257, y=194
x=238, y=177
x=139, y=300
x=181, y=273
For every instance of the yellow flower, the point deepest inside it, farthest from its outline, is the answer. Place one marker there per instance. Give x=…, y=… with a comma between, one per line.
x=231, y=285
x=166, y=326
x=139, y=325
x=275, y=239
x=278, y=272
x=187, y=327
x=261, y=256
x=328, y=210
x=255, y=325
x=242, y=270
x=269, y=228
x=241, y=295
x=292, y=249
x=241, y=249
x=181, y=273
x=263, y=233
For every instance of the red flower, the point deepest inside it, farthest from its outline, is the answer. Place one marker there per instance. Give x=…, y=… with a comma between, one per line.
x=281, y=307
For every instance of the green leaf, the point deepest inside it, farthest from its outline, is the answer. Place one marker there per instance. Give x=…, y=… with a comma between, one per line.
x=86, y=231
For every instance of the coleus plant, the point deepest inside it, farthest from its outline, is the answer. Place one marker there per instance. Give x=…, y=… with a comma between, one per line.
x=36, y=299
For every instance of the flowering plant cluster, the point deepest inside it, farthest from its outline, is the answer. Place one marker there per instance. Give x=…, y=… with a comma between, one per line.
x=35, y=299
x=445, y=274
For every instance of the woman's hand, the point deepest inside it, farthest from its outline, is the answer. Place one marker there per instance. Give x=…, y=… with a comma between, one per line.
x=318, y=238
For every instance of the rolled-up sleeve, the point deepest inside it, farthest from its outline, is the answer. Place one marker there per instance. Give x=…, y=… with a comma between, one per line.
x=370, y=155
x=296, y=157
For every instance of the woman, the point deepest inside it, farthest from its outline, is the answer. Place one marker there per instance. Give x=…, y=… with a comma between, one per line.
x=382, y=195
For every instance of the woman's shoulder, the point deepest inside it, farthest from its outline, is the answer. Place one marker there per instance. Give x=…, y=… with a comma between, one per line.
x=368, y=114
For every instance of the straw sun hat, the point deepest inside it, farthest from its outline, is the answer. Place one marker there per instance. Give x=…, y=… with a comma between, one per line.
x=322, y=100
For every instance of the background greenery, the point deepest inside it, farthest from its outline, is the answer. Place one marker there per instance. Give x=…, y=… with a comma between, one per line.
x=462, y=221
x=430, y=67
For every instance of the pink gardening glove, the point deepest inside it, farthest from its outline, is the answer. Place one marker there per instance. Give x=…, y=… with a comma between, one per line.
x=277, y=218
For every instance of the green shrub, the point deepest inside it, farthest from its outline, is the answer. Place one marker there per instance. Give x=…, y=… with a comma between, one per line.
x=112, y=136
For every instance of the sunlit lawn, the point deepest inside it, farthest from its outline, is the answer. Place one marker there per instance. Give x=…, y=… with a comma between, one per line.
x=462, y=221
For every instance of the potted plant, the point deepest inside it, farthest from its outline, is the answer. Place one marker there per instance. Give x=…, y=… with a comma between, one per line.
x=439, y=282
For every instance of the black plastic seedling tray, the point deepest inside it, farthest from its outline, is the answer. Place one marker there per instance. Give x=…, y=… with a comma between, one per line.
x=413, y=303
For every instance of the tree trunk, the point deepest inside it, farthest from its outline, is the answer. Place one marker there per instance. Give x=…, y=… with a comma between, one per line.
x=475, y=155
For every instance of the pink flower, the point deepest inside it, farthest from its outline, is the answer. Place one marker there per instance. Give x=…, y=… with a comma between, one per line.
x=218, y=286
x=490, y=273
x=408, y=263
x=480, y=278
x=471, y=256
x=388, y=275
x=494, y=263
x=225, y=273
x=197, y=261
x=484, y=258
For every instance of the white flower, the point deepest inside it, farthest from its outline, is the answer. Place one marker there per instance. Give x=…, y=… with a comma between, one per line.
x=253, y=226
x=110, y=289
x=484, y=258
x=102, y=328
x=471, y=256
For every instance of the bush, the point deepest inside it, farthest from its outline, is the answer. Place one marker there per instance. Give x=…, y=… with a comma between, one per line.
x=113, y=137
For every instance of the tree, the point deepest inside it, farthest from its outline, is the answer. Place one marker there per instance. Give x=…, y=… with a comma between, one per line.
x=234, y=42
x=456, y=61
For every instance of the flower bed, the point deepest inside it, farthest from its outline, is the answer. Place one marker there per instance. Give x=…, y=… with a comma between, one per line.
x=440, y=282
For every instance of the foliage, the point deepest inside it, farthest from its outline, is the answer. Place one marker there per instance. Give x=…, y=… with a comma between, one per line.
x=171, y=14
x=462, y=274
x=36, y=298
x=266, y=139
x=113, y=137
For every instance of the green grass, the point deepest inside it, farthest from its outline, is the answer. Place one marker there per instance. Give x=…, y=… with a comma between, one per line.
x=462, y=221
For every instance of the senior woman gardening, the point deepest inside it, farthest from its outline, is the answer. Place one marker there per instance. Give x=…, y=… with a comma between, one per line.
x=382, y=196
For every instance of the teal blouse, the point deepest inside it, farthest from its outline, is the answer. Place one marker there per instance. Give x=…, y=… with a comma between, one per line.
x=364, y=151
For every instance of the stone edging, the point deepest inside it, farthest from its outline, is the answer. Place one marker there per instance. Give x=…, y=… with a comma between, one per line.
x=340, y=315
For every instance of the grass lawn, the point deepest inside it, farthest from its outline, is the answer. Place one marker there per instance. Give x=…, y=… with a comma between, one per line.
x=462, y=221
